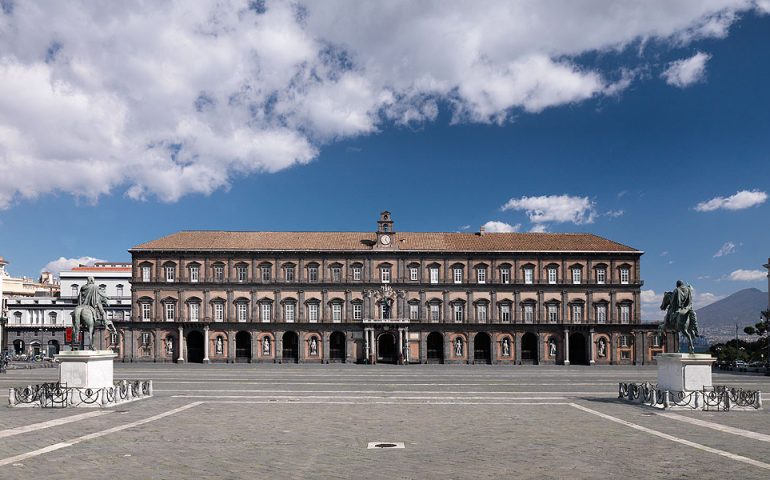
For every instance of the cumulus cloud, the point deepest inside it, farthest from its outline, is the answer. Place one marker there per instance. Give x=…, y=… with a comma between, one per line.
x=742, y=199
x=164, y=99
x=683, y=73
x=741, y=275
x=700, y=300
x=726, y=249
x=62, y=264
x=614, y=213
x=494, y=226
x=554, y=209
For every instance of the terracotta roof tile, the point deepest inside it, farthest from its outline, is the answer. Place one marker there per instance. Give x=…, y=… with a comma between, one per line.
x=363, y=241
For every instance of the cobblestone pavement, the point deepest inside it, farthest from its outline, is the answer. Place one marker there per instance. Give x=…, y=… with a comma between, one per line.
x=313, y=421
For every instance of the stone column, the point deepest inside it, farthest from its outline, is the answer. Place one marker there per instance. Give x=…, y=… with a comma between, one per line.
x=373, y=345
x=639, y=348
x=447, y=310
x=541, y=318
x=349, y=348
x=180, y=357
x=423, y=348
x=447, y=348
x=517, y=347
x=229, y=307
x=612, y=349
x=516, y=313
x=400, y=342
x=470, y=311
x=591, y=347
x=231, y=346
x=493, y=348
x=254, y=308
x=278, y=347
x=157, y=348
x=301, y=341
x=254, y=346
x=324, y=306
x=589, y=308
x=611, y=316
x=540, y=349
x=566, y=347
x=347, y=314
x=158, y=308
x=564, y=305
x=471, y=345
x=278, y=310
x=325, y=346
x=367, y=346
x=423, y=310
x=205, y=312
x=492, y=307
x=205, y=343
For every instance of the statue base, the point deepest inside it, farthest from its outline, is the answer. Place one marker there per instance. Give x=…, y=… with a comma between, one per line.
x=86, y=368
x=684, y=372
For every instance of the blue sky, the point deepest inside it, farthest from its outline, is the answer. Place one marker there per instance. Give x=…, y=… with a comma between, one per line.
x=612, y=144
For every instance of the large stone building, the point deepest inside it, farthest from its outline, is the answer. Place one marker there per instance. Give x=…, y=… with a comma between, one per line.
x=387, y=296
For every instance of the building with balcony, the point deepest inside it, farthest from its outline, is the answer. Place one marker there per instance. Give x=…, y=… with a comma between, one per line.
x=387, y=296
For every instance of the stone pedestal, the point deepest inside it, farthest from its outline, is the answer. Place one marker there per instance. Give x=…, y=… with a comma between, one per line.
x=86, y=368
x=684, y=372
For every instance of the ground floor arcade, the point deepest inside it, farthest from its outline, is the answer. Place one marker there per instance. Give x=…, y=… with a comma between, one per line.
x=389, y=343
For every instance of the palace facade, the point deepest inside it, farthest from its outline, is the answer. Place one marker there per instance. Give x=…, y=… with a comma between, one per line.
x=387, y=296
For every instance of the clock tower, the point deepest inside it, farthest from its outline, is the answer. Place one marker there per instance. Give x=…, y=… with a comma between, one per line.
x=385, y=230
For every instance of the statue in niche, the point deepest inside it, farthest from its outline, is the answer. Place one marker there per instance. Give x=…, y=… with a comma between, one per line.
x=602, y=348
x=552, y=347
x=459, y=347
x=313, y=346
x=169, y=345
x=266, y=346
x=506, y=347
x=219, y=347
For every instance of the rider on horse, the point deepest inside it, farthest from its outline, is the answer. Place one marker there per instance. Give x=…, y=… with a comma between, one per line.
x=680, y=315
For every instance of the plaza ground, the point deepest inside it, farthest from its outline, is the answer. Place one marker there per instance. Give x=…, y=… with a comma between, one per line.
x=314, y=421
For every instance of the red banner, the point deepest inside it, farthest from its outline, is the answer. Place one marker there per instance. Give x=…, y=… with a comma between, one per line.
x=68, y=335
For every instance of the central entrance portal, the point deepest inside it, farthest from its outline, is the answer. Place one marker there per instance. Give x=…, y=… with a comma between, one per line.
x=242, y=347
x=290, y=347
x=529, y=349
x=195, y=347
x=337, y=347
x=435, y=346
x=386, y=348
x=577, y=349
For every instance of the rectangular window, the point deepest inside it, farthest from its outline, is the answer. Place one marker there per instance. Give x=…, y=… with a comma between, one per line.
x=505, y=275
x=481, y=275
x=170, y=310
x=413, y=272
x=577, y=276
x=435, y=312
x=266, y=273
x=481, y=313
x=266, y=312
x=194, y=312
x=505, y=313
x=601, y=314
x=289, y=273
x=625, y=355
x=624, y=274
x=529, y=313
x=384, y=312
x=219, y=273
x=312, y=313
x=219, y=312
x=243, y=312
x=170, y=273
x=357, y=311
x=434, y=275
x=625, y=314
x=553, y=313
x=241, y=272
x=551, y=275
x=312, y=274
x=458, y=275
x=624, y=340
x=656, y=340
x=577, y=313
x=414, y=312
x=458, y=310
x=385, y=274
x=288, y=311
x=357, y=273
x=194, y=272
x=145, y=312
x=601, y=276
x=146, y=274
x=336, y=312
x=336, y=274
x=529, y=276
x=119, y=290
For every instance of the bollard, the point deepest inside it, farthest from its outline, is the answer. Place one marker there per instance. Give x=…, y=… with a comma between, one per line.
x=665, y=399
x=11, y=397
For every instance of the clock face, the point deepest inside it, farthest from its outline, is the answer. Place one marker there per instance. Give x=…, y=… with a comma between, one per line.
x=385, y=239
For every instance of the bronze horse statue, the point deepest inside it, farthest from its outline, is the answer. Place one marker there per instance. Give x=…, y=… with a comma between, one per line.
x=685, y=322
x=86, y=316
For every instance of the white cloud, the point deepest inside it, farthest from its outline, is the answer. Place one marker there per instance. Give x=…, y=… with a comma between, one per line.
x=726, y=249
x=554, y=208
x=539, y=228
x=739, y=201
x=494, y=226
x=700, y=300
x=649, y=296
x=465, y=227
x=683, y=73
x=741, y=275
x=614, y=213
x=165, y=99
x=63, y=264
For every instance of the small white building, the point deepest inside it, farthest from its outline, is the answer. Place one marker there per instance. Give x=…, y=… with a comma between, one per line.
x=36, y=325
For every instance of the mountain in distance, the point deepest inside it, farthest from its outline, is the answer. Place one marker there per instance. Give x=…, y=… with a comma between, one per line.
x=742, y=307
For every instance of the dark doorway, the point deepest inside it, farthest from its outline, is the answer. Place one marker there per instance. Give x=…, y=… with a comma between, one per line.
x=242, y=347
x=482, y=348
x=18, y=347
x=53, y=347
x=195, y=347
x=435, y=348
x=290, y=347
x=529, y=349
x=577, y=349
x=386, y=348
x=337, y=347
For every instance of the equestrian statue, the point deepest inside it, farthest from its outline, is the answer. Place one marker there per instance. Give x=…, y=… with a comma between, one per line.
x=680, y=316
x=90, y=313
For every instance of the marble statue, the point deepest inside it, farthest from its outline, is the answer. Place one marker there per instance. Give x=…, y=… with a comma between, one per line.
x=602, y=349
x=90, y=312
x=313, y=346
x=506, y=348
x=170, y=346
x=459, y=347
x=552, y=347
x=220, y=346
x=680, y=315
x=266, y=346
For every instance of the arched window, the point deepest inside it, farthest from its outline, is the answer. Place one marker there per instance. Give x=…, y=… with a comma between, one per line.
x=119, y=290
x=75, y=290
x=17, y=317
x=52, y=318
